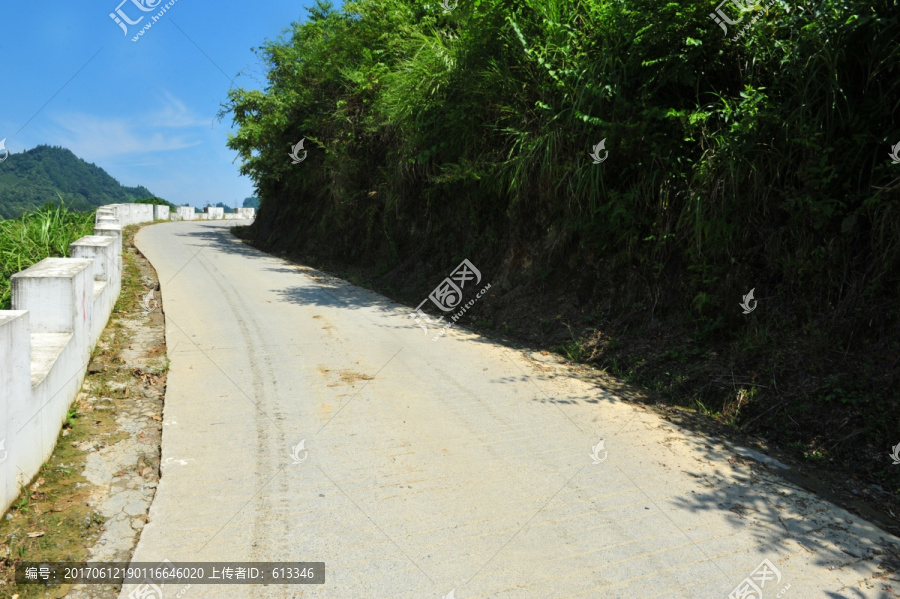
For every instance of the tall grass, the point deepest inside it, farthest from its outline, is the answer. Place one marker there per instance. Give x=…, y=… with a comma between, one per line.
x=37, y=235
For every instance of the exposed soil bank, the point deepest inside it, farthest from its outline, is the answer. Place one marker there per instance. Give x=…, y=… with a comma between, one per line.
x=791, y=393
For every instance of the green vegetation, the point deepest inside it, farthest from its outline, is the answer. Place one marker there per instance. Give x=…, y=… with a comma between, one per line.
x=757, y=163
x=31, y=238
x=251, y=202
x=156, y=202
x=226, y=208
x=28, y=180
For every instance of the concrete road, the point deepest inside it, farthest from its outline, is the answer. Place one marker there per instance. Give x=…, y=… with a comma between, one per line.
x=450, y=468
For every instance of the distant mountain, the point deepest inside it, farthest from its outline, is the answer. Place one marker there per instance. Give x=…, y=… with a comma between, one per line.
x=30, y=179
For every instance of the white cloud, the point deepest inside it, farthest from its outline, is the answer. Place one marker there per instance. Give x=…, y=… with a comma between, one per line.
x=94, y=137
x=175, y=114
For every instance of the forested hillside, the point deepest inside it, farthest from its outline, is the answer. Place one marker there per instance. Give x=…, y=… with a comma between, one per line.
x=28, y=180
x=726, y=165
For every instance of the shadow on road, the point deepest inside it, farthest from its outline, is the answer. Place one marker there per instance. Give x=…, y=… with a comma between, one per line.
x=771, y=507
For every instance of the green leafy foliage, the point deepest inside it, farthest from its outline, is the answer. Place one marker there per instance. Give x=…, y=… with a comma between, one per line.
x=476, y=124
x=156, y=202
x=760, y=162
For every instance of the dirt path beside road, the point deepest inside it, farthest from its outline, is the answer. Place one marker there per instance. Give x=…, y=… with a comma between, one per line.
x=89, y=502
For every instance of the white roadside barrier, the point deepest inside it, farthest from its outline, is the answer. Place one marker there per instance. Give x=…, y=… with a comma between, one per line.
x=60, y=308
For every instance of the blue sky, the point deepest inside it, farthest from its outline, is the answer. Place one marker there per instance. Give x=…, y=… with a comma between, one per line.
x=144, y=111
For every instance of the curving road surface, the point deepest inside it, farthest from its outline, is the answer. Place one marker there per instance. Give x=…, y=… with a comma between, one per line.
x=451, y=468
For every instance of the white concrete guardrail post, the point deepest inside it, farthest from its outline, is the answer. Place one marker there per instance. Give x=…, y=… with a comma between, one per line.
x=160, y=213
x=110, y=230
x=60, y=308
x=102, y=250
x=184, y=213
x=15, y=372
x=59, y=296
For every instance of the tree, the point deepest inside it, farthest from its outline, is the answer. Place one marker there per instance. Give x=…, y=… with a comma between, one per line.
x=156, y=202
x=227, y=208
